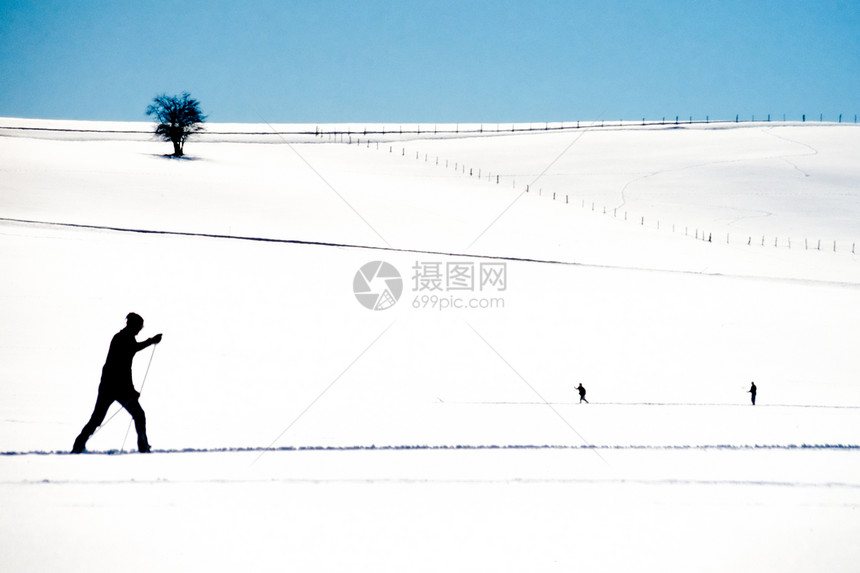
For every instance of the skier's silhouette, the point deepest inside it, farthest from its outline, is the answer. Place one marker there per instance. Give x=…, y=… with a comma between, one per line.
x=116, y=383
x=752, y=392
x=581, y=389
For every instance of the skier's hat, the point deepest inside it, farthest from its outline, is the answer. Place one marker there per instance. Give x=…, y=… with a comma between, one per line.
x=134, y=318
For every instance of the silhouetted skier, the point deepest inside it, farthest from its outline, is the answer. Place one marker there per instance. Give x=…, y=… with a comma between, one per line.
x=752, y=392
x=116, y=383
x=581, y=389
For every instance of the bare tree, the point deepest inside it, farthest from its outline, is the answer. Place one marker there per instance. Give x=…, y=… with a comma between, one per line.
x=178, y=117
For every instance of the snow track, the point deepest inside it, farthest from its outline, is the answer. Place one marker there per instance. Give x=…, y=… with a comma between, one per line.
x=457, y=447
x=408, y=251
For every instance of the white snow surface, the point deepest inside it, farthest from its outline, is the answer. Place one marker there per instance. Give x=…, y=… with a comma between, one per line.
x=664, y=267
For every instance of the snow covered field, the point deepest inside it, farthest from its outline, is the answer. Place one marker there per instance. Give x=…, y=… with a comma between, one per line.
x=293, y=428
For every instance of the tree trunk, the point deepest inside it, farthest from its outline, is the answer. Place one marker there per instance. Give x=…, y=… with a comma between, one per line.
x=177, y=148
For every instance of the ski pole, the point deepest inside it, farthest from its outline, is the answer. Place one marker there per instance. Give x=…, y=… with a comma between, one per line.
x=122, y=449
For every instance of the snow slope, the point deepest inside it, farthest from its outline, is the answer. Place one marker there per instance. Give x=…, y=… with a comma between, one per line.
x=297, y=428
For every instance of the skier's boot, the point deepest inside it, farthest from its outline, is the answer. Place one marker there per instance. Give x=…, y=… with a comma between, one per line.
x=80, y=444
x=143, y=444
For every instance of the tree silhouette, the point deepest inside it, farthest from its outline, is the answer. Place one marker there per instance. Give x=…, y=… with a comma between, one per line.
x=178, y=117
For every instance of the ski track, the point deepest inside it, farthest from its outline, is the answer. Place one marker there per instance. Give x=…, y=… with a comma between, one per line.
x=302, y=242
x=767, y=131
x=665, y=404
x=448, y=447
x=452, y=481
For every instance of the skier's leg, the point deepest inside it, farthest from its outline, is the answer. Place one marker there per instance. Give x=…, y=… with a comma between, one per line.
x=103, y=402
x=133, y=408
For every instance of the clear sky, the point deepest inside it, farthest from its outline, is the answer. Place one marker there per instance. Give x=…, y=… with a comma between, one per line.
x=432, y=61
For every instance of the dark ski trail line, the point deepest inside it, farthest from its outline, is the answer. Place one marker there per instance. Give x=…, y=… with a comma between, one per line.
x=446, y=447
x=418, y=252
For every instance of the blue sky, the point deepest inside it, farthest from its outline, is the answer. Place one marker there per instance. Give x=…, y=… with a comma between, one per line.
x=425, y=61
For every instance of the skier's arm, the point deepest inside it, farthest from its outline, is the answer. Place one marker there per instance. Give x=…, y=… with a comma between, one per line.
x=148, y=342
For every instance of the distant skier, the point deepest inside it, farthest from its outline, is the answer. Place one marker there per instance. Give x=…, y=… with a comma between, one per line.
x=752, y=392
x=581, y=389
x=116, y=383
